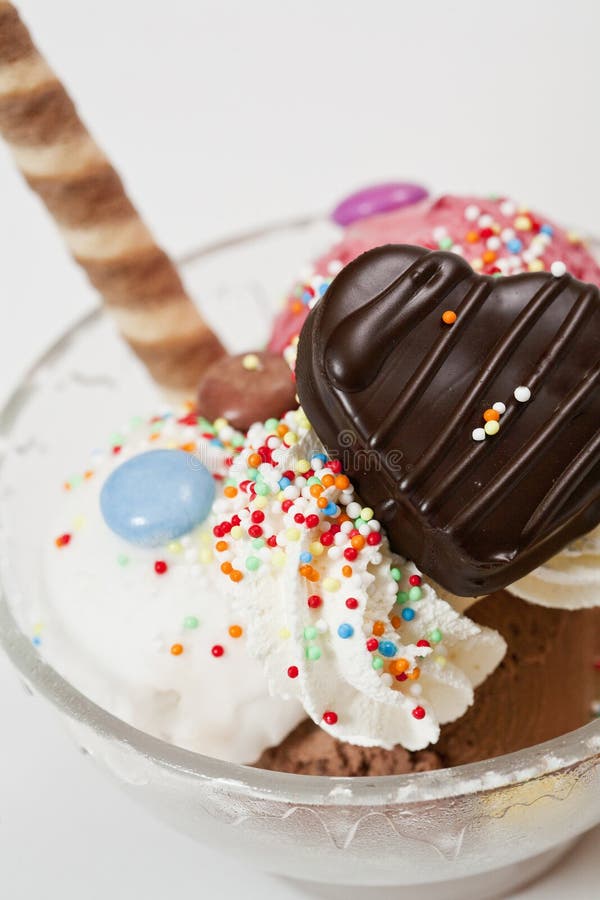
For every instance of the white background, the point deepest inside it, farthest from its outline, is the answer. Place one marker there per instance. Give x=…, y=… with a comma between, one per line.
x=224, y=115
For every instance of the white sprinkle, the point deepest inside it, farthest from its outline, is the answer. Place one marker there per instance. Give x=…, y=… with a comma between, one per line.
x=499, y=407
x=493, y=243
x=471, y=213
x=522, y=394
x=340, y=538
x=364, y=530
x=321, y=626
x=456, y=248
x=439, y=232
x=485, y=220
x=507, y=234
x=478, y=434
x=558, y=268
x=386, y=679
x=353, y=510
x=334, y=266
x=415, y=690
x=508, y=208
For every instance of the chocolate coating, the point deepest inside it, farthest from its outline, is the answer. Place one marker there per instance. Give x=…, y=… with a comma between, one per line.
x=247, y=388
x=396, y=394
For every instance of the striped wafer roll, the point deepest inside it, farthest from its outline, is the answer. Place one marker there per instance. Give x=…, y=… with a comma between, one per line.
x=84, y=194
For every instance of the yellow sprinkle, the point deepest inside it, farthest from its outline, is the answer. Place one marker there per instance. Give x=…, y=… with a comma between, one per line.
x=220, y=423
x=302, y=466
x=285, y=634
x=290, y=438
x=251, y=362
x=317, y=548
x=536, y=265
x=172, y=445
x=440, y=661
x=491, y=427
x=293, y=534
x=259, y=502
x=331, y=584
x=366, y=514
x=236, y=532
x=278, y=559
x=573, y=237
x=174, y=547
x=522, y=223
x=205, y=556
x=477, y=264
x=78, y=523
x=38, y=628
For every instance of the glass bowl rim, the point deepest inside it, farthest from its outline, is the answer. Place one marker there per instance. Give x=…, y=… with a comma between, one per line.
x=522, y=766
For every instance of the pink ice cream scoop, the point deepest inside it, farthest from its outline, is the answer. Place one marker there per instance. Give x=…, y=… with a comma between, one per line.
x=496, y=235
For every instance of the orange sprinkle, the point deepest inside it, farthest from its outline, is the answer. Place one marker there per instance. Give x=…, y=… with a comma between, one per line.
x=416, y=672
x=154, y=436
x=490, y=415
x=236, y=631
x=236, y=575
x=296, y=307
x=489, y=256
x=342, y=482
x=282, y=429
x=449, y=317
x=322, y=502
x=89, y=474
x=344, y=517
x=190, y=447
x=305, y=571
x=316, y=490
x=177, y=649
x=254, y=460
x=230, y=491
x=189, y=405
x=226, y=568
x=327, y=481
x=347, y=571
x=67, y=486
x=378, y=628
x=314, y=575
x=220, y=546
x=396, y=621
x=358, y=541
x=399, y=666
x=471, y=237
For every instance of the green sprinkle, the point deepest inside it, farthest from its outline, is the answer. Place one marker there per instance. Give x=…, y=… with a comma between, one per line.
x=136, y=422
x=76, y=480
x=271, y=425
x=237, y=440
x=258, y=543
x=402, y=597
x=252, y=563
x=205, y=425
x=436, y=636
x=252, y=473
x=313, y=653
x=377, y=663
x=230, y=482
x=122, y=559
x=117, y=439
x=496, y=274
x=313, y=480
x=262, y=489
x=191, y=622
x=415, y=593
x=358, y=522
x=395, y=573
x=445, y=243
x=310, y=633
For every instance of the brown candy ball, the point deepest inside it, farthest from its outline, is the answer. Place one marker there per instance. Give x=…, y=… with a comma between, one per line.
x=248, y=388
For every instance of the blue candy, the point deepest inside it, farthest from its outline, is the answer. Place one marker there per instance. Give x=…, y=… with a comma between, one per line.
x=345, y=630
x=387, y=648
x=157, y=496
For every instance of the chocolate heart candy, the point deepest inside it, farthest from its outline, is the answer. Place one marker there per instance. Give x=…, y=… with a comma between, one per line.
x=399, y=396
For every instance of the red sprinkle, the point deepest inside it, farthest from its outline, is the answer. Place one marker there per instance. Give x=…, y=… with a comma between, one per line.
x=217, y=650
x=63, y=540
x=326, y=539
x=258, y=516
x=414, y=580
x=373, y=538
x=314, y=601
x=272, y=541
x=350, y=554
x=423, y=643
x=286, y=505
x=292, y=672
x=116, y=449
x=299, y=519
x=352, y=603
x=330, y=718
x=160, y=567
x=418, y=712
x=372, y=645
x=312, y=521
x=402, y=676
x=335, y=466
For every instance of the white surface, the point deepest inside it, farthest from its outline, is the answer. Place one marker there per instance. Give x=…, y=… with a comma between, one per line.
x=222, y=115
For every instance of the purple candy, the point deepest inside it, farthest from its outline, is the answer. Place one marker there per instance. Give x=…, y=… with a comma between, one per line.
x=379, y=198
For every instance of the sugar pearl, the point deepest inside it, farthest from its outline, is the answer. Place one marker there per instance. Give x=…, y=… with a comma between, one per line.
x=471, y=213
x=478, y=434
x=522, y=394
x=499, y=407
x=491, y=427
x=558, y=269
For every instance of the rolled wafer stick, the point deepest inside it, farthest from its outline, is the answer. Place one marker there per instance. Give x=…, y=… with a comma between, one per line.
x=85, y=196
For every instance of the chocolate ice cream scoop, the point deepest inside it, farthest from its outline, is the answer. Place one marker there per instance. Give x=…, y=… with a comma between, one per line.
x=466, y=408
x=247, y=388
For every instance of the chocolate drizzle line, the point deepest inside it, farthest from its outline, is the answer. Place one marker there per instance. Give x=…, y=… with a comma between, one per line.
x=495, y=361
x=375, y=359
x=566, y=332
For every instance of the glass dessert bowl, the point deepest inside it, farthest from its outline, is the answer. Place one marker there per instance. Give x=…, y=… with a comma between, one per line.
x=481, y=828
